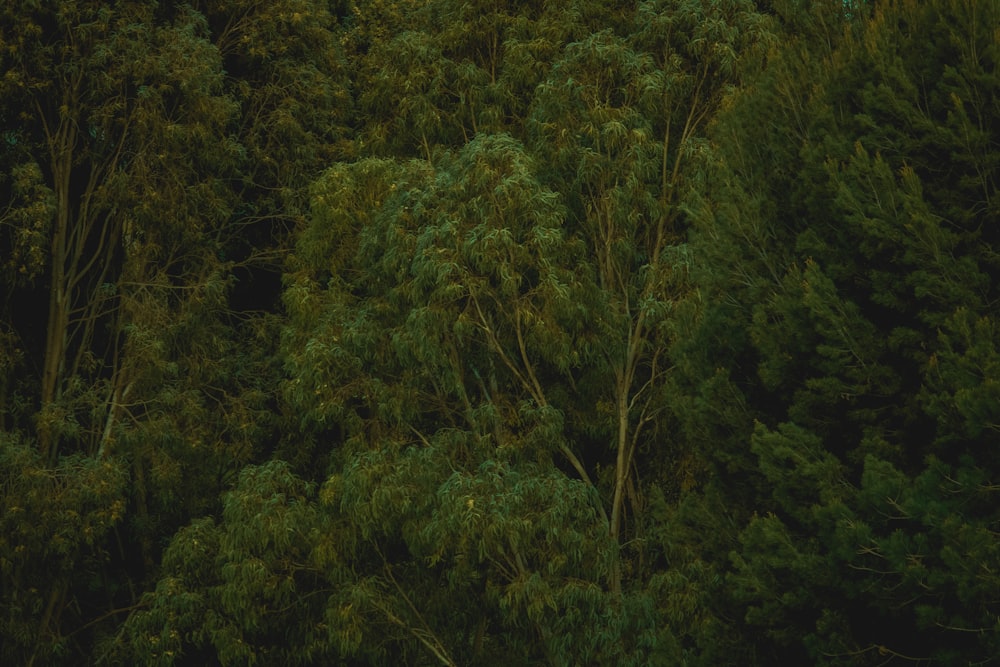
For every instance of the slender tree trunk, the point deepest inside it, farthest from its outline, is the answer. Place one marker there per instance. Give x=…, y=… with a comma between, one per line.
x=115, y=401
x=53, y=609
x=58, y=320
x=621, y=478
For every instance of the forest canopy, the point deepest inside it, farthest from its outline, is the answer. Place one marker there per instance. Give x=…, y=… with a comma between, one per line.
x=381, y=332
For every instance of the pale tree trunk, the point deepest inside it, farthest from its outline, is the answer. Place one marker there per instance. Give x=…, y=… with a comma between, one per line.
x=85, y=238
x=61, y=145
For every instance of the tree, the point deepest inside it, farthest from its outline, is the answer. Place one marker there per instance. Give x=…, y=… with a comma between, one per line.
x=449, y=315
x=145, y=178
x=848, y=243
x=108, y=114
x=113, y=109
x=53, y=529
x=155, y=159
x=618, y=123
x=432, y=341
x=246, y=588
x=437, y=74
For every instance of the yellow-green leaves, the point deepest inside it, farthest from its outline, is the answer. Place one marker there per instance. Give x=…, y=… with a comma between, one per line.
x=28, y=218
x=52, y=520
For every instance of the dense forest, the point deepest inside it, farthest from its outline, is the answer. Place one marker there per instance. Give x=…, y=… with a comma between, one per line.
x=497, y=332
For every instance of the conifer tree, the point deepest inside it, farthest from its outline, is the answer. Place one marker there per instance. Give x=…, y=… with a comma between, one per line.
x=848, y=249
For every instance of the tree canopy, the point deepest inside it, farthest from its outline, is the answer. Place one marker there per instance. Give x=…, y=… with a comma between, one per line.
x=573, y=333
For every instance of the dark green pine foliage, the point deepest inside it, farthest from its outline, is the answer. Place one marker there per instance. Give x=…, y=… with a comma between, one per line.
x=849, y=249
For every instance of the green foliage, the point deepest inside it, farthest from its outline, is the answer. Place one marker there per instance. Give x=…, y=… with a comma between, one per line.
x=454, y=314
x=437, y=74
x=450, y=268
x=155, y=158
x=379, y=568
x=244, y=590
x=441, y=337
x=28, y=216
x=285, y=69
x=658, y=332
x=847, y=278
x=54, y=523
x=617, y=126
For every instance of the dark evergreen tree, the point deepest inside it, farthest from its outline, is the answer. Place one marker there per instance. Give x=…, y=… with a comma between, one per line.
x=848, y=262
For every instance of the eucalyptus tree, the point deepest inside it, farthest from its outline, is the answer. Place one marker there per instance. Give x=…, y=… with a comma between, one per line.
x=618, y=124
x=469, y=317
x=473, y=315
x=111, y=116
x=436, y=74
x=149, y=151
x=432, y=313
x=285, y=68
x=55, y=525
x=108, y=115
x=438, y=345
x=153, y=156
x=245, y=588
